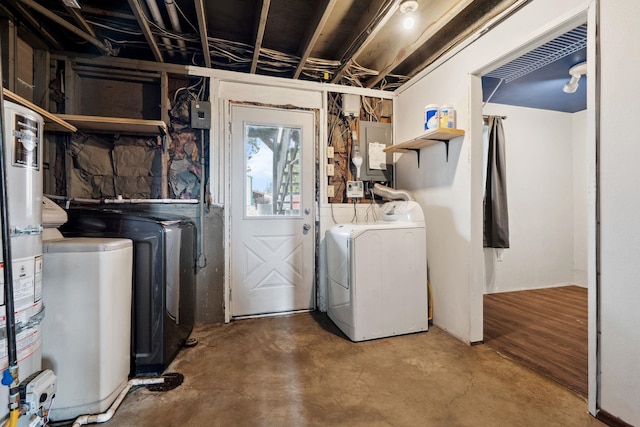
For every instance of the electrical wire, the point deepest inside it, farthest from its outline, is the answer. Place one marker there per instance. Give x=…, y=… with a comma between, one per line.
x=185, y=17
x=234, y=55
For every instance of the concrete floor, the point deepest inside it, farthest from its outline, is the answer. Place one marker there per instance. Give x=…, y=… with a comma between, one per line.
x=300, y=370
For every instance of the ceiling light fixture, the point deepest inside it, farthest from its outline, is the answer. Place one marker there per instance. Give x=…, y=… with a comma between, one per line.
x=576, y=72
x=407, y=8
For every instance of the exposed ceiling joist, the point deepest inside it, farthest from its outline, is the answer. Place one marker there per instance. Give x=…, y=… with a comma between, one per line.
x=396, y=54
x=355, y=42
x=314, y=33
x=55, y=18
x=262, y=23
x=107, y=13
x=388, y=9
x=144, y=26
x=36, y=24
x=82, y=23
x=470, y=20
x=202, y=28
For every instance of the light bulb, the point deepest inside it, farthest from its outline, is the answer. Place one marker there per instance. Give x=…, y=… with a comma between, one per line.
x=356, y=157
x=407, y=8
x=408, y=21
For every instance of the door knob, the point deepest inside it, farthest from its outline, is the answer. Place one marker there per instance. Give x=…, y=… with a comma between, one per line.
x=306, y=227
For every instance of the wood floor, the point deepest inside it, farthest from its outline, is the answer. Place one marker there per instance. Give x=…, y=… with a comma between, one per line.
x=544, y=329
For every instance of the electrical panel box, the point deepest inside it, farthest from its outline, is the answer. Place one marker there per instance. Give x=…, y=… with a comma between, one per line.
x=377, y=165
x=200, y=115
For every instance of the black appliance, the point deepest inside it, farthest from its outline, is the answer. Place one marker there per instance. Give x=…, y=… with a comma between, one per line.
x=163, y=302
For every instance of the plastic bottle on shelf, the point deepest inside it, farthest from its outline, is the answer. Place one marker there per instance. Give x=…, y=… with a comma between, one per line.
x=447, y=117
x=430, y=116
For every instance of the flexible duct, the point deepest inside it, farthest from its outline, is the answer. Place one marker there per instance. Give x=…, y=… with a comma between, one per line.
x=391, y=194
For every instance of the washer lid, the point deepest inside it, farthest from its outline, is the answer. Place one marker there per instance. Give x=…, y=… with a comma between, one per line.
x=85, y=244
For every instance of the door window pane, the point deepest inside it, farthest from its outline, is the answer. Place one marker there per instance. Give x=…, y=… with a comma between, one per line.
x=272, y=180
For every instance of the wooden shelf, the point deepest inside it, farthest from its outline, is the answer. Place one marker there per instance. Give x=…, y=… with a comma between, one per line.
x=51, y=122
x=115, y=124
x=430, y=137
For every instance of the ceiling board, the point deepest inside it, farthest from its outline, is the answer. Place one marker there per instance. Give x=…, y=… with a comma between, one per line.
x=359, y=42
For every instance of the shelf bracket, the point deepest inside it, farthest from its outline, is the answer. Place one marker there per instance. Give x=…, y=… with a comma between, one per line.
x=417, y=151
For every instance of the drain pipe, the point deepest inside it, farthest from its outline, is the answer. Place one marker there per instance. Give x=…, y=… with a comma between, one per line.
x=106, y=416
x=157, y=18
x=175, y=23
x=10, y=376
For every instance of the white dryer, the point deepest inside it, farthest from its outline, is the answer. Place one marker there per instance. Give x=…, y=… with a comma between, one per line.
x=377, y=274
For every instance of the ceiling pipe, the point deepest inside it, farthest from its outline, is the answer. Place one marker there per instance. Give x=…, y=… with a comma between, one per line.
x=175, y=24
x=157, y=18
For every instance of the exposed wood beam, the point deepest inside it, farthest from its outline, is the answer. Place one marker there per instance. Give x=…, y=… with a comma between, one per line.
x=58, y=20
x=391, y=7
x=144, y=26
x=314, y=33
x=424, y=56
x=403, y=51
x=262, y=23
x=108, y=13
x=80, y=20
x=202, y=27
x=26, y=15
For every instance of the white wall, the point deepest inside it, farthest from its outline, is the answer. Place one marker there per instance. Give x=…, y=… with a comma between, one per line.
x=620, y=210
x=580, y=187
x=451, y=192
x=539, y=159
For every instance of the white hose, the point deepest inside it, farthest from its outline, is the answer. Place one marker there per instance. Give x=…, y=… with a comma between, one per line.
x=106, y=416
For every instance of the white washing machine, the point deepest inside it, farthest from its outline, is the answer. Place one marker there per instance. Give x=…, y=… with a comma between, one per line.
x=377, y=274
x=87, y=328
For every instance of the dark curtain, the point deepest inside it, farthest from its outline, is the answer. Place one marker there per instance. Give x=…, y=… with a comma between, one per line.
x=496, y=213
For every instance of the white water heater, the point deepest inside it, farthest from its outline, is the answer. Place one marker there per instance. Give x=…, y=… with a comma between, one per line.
x=22, y=141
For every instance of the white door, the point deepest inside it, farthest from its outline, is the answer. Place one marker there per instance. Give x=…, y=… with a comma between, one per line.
x=272, y=210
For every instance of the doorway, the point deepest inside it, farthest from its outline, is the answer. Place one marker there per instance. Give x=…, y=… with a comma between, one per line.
x=272, y=230
x=538, y=286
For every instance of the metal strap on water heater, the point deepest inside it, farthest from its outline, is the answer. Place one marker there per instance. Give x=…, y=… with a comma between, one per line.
x=34, y=320
x=26, y=231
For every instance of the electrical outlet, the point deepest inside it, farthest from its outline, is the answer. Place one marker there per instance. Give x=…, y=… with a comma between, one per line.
x=330, y=169
x=329, y=152
x=331, y=191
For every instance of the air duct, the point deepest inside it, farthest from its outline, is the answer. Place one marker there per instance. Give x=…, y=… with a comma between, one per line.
x=391, y=194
